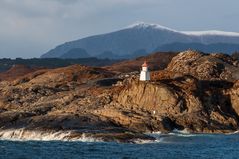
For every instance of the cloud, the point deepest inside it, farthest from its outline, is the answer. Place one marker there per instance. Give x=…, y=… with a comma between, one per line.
x=34, y=17
x=43, y=24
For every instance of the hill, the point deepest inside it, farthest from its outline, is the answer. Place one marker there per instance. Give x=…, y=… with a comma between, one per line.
x=156, y=61
x=6, y=64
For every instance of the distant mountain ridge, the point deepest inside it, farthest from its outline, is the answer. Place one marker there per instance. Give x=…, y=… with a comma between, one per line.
x=148, y=37
x=217, y=47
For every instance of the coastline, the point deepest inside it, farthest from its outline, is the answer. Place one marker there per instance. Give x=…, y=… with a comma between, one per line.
x=74, y=136
x=39, y=135
x=78, y=102
x=71, y=136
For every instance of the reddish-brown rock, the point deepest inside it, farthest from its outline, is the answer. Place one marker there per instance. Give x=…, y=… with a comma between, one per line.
x=119, y=107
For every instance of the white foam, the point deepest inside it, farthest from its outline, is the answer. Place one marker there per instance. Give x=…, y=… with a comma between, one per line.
x=235, y=132
x=157, y=132
x=184, y=131
x=181, y=133
x=27, y=135
x=140, y=141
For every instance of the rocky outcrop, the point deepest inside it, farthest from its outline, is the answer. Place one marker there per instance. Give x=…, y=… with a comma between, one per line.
x=112, y=106
x=17, y=71
x=64, y=99
x=156, y=61
x=233, y=94
x=205, y=66
x=186, y=102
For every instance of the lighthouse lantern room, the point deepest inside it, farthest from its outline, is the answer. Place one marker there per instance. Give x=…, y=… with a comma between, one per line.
x=144, y=75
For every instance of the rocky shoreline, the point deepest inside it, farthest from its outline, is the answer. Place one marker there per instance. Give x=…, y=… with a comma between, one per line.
x=196, y=91
x=73, y=135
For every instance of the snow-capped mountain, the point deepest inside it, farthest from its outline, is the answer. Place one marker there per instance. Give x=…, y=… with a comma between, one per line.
x=148, y=37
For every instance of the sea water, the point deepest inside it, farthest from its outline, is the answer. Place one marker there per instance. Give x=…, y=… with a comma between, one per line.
x=171, y=146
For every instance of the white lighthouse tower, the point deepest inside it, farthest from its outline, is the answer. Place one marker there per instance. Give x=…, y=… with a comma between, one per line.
x=144, y=74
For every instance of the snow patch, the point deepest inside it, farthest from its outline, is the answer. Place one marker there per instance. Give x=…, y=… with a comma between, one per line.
x=143, y=25
x=210, y=32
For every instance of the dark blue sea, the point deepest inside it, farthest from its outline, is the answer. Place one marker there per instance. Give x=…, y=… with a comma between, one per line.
x=172, y=146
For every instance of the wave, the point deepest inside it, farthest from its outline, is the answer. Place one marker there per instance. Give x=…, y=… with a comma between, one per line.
x=235, y=132
x=175, y=132
x=157, y=132
x=182, y=133
x=169, y=137
x=182, y=136
x=143, y=141
x=32, y=135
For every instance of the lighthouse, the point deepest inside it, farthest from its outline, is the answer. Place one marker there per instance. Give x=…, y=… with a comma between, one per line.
x=144, y=74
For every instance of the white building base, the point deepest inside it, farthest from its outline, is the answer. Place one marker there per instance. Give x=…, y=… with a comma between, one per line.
x=144, y=76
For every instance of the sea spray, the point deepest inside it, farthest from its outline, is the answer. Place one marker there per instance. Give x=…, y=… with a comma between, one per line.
x=184, y=131
x=26, y=135
x=169, y=137
x=235, y=132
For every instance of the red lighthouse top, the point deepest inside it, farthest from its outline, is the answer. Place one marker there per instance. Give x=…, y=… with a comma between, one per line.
x=145, y=64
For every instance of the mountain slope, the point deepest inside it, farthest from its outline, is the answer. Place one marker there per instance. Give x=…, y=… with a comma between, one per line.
x=75, y=53
x=141, y=36
x=216, y=47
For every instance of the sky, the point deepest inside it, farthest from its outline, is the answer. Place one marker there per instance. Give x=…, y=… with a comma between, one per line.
x=29, y=28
